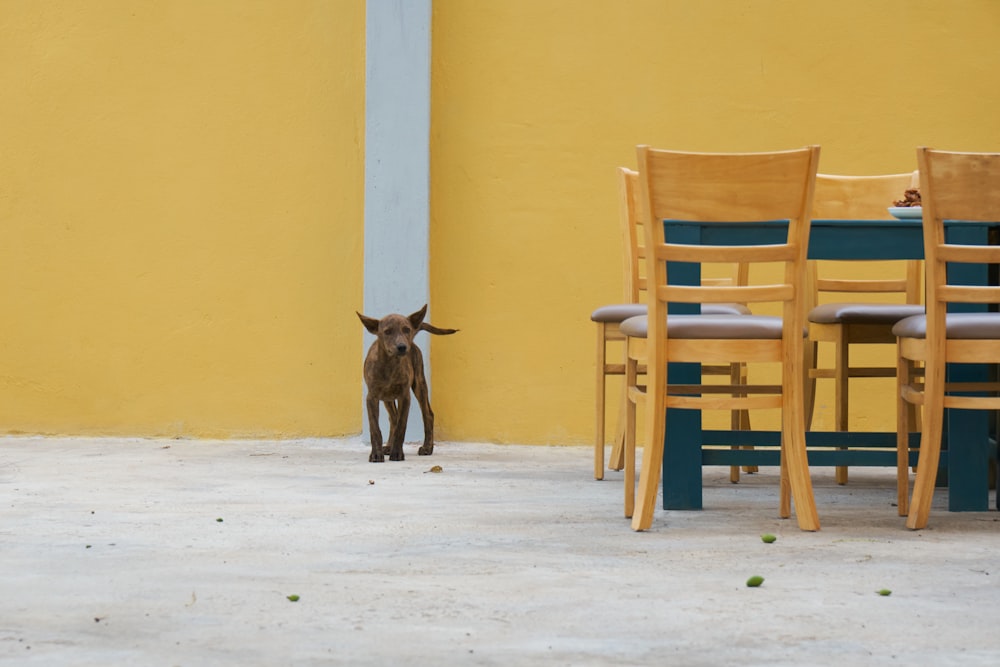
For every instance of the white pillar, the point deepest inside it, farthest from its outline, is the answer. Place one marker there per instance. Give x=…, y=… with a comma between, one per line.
x=397, y=169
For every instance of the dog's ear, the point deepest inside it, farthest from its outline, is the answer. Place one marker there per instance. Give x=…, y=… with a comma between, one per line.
x=370, y=323
x=417, y=317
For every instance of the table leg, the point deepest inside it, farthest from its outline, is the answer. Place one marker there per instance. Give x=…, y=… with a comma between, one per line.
x=682, y=437
x=682, y=449
x=967, y=432
x=968, y=459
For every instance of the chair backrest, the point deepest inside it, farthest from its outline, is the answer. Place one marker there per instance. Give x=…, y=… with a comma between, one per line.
x=956, y=187
x=731, y=188
x=634, y=241
x=864, y=198
x=632, y=234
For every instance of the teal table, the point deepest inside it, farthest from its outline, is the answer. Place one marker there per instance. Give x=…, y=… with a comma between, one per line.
x=967, y=444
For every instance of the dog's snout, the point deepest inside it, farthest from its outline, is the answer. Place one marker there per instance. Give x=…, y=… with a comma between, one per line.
x=401, y=349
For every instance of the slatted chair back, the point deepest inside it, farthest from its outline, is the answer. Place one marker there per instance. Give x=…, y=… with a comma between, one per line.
x=729, y=188
x=955, y=187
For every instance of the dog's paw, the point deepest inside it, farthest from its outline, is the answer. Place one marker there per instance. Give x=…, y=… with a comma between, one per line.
x=376, y=457
x=387, y=449
x=426, y=450
x=397, y=456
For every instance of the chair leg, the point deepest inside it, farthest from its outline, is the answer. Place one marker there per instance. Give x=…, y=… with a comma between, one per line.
x=811, y=352
x=916, y=421
x=734, y=421
x=996, y=472
x=930, y=447
x=629, y=444
x=655, y=418
x=617, y=461
x=601, y=363
x=904, y=413
x=793, y=446
x=739, y=420
x=841, y=377
x=785, y=493
x=744, y=421
x=649, y=480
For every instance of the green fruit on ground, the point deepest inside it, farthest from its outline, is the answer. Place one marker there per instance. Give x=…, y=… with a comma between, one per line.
x=755, y=581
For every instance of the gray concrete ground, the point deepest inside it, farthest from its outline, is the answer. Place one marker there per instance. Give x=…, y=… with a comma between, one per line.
x=174, y=552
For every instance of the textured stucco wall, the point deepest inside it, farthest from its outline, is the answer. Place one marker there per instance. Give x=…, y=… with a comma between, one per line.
x=535, y=102
x=182, y=225
x=181, y=216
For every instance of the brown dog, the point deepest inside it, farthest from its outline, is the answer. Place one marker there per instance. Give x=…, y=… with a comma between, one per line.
x=393, y=367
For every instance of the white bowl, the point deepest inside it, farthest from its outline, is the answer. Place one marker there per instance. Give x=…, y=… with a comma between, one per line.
x=906, y=212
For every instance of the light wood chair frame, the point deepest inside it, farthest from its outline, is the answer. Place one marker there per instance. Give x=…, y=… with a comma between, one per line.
x=857, y=198
x=733, y=188
x=957, y=187
x=609, y=333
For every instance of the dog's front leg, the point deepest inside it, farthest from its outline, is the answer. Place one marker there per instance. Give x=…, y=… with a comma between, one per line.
x=423, y=399
x=390, y=407
x=397, y=430
x=376, y=433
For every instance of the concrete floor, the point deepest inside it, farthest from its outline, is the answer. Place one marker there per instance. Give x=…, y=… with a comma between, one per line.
x=173, y=552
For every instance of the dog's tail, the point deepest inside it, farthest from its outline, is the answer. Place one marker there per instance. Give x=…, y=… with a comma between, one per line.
x=430, y=328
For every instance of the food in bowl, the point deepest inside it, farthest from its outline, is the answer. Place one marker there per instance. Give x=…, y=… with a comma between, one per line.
x=910, y=198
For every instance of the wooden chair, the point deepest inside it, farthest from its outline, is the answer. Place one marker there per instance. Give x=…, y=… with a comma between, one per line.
x=609, y=317
x=867, y=318
x=732, y=188
x=957, y=187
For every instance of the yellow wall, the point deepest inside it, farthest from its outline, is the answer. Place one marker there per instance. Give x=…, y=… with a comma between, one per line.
x=181, y=188
x=181, y=216
x=536, y=101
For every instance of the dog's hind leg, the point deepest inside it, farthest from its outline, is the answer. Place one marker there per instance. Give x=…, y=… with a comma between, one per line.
x=376, y=433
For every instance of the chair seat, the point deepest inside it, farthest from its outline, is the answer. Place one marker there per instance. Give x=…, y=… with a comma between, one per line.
x=620, y=312
x=967, y=326
x=724, y=309
x=709, y=327
x=863, y=313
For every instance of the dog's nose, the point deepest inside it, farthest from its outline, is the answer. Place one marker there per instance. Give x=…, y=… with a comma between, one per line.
x=401, y=350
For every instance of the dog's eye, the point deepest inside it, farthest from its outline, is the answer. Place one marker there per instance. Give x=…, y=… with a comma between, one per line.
x=406, y=330
x=389, y=331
